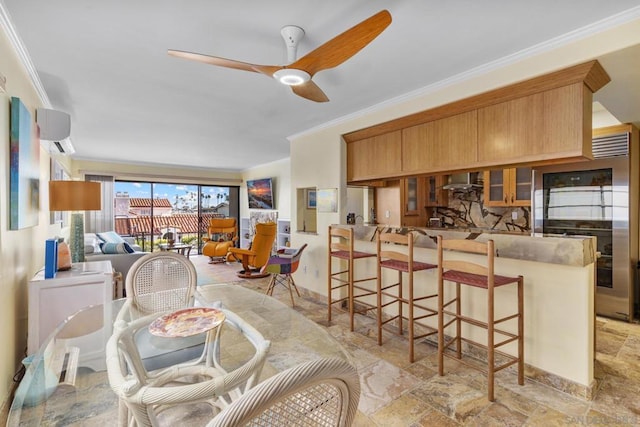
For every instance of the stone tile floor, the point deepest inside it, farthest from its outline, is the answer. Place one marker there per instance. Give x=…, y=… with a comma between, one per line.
x=397, y=393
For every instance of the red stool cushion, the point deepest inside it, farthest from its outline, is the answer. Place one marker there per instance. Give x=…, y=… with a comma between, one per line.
x=476, y=280
x=404, y=266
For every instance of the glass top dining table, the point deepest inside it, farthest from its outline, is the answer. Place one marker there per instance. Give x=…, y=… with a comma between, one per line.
x=66, y=382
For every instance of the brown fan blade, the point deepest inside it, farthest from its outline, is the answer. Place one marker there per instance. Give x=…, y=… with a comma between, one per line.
x=311, y=91
x=223, y=62
x=344, y=46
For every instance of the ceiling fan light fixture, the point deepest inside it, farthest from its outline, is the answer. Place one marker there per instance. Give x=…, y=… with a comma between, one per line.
x=291, y=76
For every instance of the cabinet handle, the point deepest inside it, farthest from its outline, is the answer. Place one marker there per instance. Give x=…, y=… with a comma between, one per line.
x=505, y=199
x=511, y=198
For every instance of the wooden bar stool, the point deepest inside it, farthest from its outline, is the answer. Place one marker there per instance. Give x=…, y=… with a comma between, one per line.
x=389, y=257
x=480, y=276
x=341, y=247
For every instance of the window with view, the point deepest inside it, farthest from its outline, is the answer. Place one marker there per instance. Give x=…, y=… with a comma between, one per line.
x=154, y=213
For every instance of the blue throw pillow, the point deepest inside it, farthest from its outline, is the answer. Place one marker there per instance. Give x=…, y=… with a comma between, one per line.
x=110, y=237
x=116, y=248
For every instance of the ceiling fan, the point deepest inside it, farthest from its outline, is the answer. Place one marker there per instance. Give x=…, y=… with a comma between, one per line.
x=299, y=72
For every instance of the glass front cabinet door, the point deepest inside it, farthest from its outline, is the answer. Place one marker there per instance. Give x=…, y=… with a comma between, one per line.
x=507, y=187
x=411, y=196
x=436, y=195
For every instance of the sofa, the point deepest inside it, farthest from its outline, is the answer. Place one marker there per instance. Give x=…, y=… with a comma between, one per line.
x=121, y=260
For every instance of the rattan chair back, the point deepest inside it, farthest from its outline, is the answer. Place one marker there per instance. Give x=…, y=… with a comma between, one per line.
x=322, y=392
x=161, y=281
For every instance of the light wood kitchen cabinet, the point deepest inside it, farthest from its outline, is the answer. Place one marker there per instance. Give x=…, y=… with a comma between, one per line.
x=374, y=158
x=542, y=126
x=412, y=195
x=443, y=144
x=436, y=196
x=507, y=187
x=543, y=120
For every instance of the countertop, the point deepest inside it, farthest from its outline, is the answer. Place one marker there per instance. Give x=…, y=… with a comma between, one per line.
x=553, y=249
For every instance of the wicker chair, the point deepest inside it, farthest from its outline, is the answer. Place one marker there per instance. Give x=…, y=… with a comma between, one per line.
x=157, y=283
x=143, y=395
x=161, y=281
x=323, y=392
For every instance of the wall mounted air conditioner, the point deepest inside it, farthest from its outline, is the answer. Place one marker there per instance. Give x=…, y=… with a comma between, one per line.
x=63, y=147
x=55, y=128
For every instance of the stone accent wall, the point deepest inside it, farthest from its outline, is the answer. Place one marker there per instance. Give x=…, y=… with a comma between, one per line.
x=466, y=209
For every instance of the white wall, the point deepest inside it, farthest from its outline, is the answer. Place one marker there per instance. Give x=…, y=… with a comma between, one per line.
x=21, y=251
x=280, y=173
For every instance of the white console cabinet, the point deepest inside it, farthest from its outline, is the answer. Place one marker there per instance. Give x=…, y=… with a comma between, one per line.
x=51, y=301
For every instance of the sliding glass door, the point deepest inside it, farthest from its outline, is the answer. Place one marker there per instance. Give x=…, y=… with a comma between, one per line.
x=155, y=212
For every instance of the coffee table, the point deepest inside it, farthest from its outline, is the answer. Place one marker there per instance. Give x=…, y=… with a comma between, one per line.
x=181, y=248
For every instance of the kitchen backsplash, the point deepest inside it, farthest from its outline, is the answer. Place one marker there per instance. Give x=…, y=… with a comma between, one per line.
x=467, y=210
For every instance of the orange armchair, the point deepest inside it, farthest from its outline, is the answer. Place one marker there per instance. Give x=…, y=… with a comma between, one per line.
x=258, y=254
x=223, y=234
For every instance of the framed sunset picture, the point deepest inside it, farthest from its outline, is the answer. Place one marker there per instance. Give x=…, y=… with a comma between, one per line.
x=260, y=193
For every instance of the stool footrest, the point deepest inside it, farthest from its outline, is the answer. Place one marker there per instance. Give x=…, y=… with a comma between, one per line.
x=425, y=316
x=365, y=280
x=448, y=303
x=514, y=337
x=417, y=337
x=384, y=322
x=512, y=359
x=505, y=365
x=480, y=323
x=341, y=280
x=504, y=319
x=424, y=297
x=484, y=347
x=366, y=292
x=363, y=307
x=384, y=288
x=387, y=303
x=428, y=309
x=336, y=301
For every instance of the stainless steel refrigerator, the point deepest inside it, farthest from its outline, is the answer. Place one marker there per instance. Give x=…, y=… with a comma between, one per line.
x=593, y=198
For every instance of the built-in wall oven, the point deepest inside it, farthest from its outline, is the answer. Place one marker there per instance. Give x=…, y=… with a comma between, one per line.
x=592, y=198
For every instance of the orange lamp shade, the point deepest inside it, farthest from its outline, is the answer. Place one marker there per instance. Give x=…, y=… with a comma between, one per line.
x=74, y=196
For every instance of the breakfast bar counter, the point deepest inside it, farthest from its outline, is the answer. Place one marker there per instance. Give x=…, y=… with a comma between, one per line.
x=550, y=249
x=559, y=279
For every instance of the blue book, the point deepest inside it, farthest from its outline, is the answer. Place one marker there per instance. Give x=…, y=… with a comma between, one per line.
x=50, y=258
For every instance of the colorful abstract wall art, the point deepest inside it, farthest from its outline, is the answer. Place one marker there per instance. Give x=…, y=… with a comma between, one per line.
x=24, y=169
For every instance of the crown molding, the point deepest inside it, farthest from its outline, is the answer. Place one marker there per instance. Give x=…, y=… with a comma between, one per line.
x=23, y=56
x=546, y=46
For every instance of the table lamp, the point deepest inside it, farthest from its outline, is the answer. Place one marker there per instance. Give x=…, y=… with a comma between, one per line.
x=75, y=196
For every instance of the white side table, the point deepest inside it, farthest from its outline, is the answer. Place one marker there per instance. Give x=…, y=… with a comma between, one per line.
x=51, y=301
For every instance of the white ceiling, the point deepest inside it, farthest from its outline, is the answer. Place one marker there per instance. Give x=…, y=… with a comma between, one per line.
x=106, y=64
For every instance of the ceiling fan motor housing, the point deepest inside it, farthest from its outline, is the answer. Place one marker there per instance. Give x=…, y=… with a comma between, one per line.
x=292, y=35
